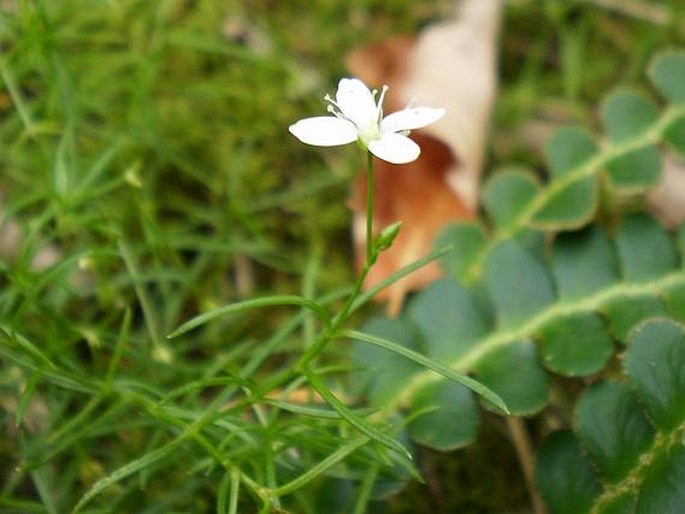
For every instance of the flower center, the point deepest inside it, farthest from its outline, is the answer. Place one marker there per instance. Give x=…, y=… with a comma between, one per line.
x=368, y=126
x=369, y=132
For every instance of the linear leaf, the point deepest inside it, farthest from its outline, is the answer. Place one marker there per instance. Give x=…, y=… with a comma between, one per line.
x=353, y=419
x=434, y=366
x=270, y=301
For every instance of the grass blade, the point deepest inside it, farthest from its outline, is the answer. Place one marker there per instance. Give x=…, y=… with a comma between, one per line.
x=269, y=301
x=352, y=418
x=433, y=365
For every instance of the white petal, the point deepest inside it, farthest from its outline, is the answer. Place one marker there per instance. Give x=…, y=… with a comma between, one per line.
x=356, y=102
x=324, y=131
x=411, y=118
x=395, y=148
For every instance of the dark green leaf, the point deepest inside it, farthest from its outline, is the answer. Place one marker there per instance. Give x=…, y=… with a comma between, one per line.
x=453, y=419
x=663, y=491
x=627, y=114
x=448, y=319
x=613, y=428
x=625, y=313
x=507, y=194
x=568, y=149
x=675, y=300
x=518, y=284
x=384, y=372
x=565, y=476
x=645, y=249
x=637, y=170
x=667, y=73
x=575, y=345
x=514, y=372
x=569, y=206
x=655, y=362
x=623, y=504
x=469, y=240
x=675, y=136
x=584, y=262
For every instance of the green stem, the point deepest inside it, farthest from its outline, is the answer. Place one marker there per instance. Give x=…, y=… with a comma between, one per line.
x=370, y=185
x=371, y=255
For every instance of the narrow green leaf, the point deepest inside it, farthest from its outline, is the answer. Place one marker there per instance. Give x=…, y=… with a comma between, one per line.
x=10, y=337
x=25, y=398
x=269, y=301
x=316, y=411
x=43, y=483
x=99, y=167
x=365, y=490
x=127, y=470
x=235, y=491
x=435, y=366
x=322, y=466
x=383, y=372
x=203, y=383
x=123, y=336
x=353, y=419
x=223, y=495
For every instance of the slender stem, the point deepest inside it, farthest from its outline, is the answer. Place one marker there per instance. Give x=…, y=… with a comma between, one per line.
x=524, y=450
x=370, y=184
x=325, y=337
x=366, y=489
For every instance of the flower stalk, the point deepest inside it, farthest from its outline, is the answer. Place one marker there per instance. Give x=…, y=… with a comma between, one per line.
x=370, y=187
x=357, y=115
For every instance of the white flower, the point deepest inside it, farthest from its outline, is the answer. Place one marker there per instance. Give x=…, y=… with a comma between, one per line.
x=357, y=116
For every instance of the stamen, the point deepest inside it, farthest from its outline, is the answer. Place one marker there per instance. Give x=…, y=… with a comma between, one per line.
x=332, y=102
x=379, y=105
x=335, y=112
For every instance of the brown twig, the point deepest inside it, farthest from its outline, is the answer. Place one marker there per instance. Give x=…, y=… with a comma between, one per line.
x=524, y=451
